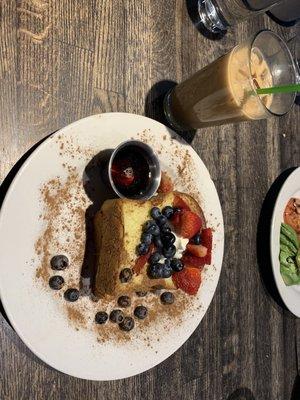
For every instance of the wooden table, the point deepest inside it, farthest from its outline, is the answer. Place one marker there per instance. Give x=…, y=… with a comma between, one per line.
x=61, y=60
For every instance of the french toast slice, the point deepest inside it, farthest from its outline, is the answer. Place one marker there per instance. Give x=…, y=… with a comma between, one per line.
x=118, y=228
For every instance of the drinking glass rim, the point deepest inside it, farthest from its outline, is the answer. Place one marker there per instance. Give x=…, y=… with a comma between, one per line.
x=279, y=38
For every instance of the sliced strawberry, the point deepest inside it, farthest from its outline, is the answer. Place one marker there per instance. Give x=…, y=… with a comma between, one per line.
x=193, y=261
x=141, y=261
x=175, y=219
x=188, y=280
x=189, y=224
x=166, y=184
x=196, y=250
x=206, y=240
x=180, y=203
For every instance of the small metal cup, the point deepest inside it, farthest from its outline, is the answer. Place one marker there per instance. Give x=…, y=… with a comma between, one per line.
x=154, y=166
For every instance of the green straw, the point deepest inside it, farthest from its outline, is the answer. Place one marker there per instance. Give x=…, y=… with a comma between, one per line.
x=280, y=89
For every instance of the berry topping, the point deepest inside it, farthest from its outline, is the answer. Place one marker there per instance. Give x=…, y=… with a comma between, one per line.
x=71, y=295
x=142, y=260
x=189, y=224
x=101, y=317
x=127, y=324
x=146, y=238
x=154, y=258
x=155, y=271
x=56, y=282
x=151, y=227
x=116, y=316
x=196, y=250
x=140, y=312
x=207, y=237
x=59, y=263
x=142, y=249
x=179, y=203
x=158, y=243
x=125, y=275
x=166, y=184
x=167, y=298
x=161, y=220
x=188, y=280
x=193, y=261
x=169, y=252
x=167, y=262
x=168, y=239
x=141, y=294
x=196, y=239
x=124, y=301
x=168, y=211
x=165, y=228
x=177, y=265
x=155, y=212
x=167, y=271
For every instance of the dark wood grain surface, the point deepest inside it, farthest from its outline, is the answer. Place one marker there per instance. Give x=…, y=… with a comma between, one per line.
x=61, y=60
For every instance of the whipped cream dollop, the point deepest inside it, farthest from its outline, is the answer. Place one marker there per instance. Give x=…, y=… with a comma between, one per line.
x=180, y=244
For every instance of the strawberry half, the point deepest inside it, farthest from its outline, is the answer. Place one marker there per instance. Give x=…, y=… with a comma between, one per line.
x=180, y=203
x=193, y=261
x=189, y=224
x=188, y=280
x=141, y=261
x=196, y=250
x=206, y=240
x=166, y=184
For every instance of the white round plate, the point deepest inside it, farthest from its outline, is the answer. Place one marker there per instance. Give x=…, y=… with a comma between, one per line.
x=35, y=310
x=289, y=294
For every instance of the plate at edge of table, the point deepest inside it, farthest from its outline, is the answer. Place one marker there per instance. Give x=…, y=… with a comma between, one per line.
x=32, y=310
x=289, y=294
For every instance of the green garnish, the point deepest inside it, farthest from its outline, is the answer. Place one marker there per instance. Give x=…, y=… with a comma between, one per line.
x=289, y=255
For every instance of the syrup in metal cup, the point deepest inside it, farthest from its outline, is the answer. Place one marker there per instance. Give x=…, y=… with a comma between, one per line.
x=134, y=170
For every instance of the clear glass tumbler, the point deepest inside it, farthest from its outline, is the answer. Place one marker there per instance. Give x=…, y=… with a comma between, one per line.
x=218, y=15
x=225, y=90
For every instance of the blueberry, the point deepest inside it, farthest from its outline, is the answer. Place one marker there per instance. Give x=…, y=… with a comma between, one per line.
x=168, y=239
x=142, y=249
x=176, y=210
x=148, y=224
x=141, y=294
x=165, y=229
x=167, y=271
x=124, y=301
x=169, y=252
x=155, y=212
x=154, y=258
x=127, y=324
x=161, y=220
x=167, y=298
x=71, y=295
x=155, y=271
x=116, y=316
x=167, y=262
x=177, y=264
x=101, y=317
x=168, y=211
x=56, y=282
x=140, y=312
x=59, y=263
x=158, y=243
x=152, y=228
x=196, y=239
x=146, y=238
x=125, y=275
